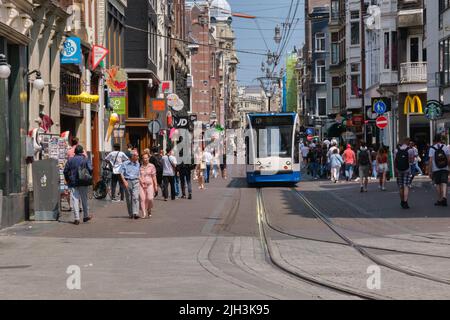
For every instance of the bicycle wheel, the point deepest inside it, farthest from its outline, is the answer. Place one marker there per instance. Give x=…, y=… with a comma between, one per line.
x=100, y=190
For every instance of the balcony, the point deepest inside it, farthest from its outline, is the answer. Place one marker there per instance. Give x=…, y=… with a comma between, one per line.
x=413, y=72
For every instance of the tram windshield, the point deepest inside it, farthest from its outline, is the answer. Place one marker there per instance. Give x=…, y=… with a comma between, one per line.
x=273, y=136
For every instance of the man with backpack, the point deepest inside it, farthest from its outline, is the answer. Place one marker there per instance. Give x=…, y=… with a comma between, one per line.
x=438, y=167
x=169, y=171
x=364, y=163
x=78, y=175
x=116, y=158
x=156, y=160
x=404, y=156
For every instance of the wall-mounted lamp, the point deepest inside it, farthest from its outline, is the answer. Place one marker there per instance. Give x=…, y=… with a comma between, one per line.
x=38, y=83
x=5, y=68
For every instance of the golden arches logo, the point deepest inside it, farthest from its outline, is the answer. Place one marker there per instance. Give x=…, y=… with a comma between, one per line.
x=410, y=105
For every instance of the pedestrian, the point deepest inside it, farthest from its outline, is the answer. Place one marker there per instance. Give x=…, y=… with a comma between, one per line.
x=201, y=167
x=223, y=166
x=426, y=159
x=156, y=160
x=78, y=175
x=382, y=167
x=185, y=171
x=403, y=158
x=148, y=186
x=71, y=152
x=336, y=164
x=305, y=151
x=438, y=167
x=207, y=157
x=416, y=161
x=373, y=157
x=130, y=148
x=130, y=176
x=364, y=165
x=349, y=158
x=116, y=158
x=313, y=162
x=169, y=171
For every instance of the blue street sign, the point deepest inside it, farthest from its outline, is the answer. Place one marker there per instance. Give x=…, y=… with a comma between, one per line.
x=71, y=53
x=310, y=131
x=380, y=107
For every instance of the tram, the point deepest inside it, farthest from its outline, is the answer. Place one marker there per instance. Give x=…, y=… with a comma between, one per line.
x=272, y=153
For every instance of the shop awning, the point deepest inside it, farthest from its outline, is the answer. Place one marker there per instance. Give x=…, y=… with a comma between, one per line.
x=84, y=97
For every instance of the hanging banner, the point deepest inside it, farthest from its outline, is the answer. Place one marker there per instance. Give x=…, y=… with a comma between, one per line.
x=118, y=101
x=116, y=79
x=71, y=53
x=84, y=97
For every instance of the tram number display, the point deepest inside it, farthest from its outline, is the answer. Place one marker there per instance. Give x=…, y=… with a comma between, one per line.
x=271, y=121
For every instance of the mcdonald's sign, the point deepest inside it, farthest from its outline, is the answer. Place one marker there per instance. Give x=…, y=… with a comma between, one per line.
x=410, y=105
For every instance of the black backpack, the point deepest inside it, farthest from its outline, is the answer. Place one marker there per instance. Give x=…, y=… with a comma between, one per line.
x=363, y=158
x=440, y=158
x=84, y=175
x=402, y=159
x=157, y=162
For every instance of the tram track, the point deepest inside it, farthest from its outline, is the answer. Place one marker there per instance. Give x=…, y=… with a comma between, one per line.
x=275, y=258
x=363, y=250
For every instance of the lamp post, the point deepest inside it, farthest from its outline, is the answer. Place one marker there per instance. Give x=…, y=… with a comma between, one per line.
x=5, y=72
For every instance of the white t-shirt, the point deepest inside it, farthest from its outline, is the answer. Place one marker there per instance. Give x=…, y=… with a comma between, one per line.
x=431, y=155
x=305, y=151
x=168, y=163
x=207, y=157
x=116, y=158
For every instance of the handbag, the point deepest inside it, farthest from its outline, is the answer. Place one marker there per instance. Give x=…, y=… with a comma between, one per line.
x=84, y=176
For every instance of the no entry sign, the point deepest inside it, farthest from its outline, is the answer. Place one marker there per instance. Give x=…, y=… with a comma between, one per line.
x=382, y=122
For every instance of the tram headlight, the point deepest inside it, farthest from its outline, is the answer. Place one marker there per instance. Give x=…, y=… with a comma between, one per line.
x=288, y=163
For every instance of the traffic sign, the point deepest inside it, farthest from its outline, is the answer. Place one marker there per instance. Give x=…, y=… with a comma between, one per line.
x=310, y=137
x=382, y=122
x=380, y=107
x=154, y=126
x=433, y=110
x=98, y=54
x=370, y=114
x=310, y=131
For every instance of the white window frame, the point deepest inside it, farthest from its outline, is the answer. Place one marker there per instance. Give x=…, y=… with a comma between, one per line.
x=320, y=38
x=408, y=47
x=318, y=73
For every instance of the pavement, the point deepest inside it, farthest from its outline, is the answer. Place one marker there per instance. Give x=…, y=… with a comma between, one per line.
x=210, y=247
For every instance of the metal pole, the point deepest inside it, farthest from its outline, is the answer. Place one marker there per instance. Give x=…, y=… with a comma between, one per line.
x=363, y=68
x=4, y=88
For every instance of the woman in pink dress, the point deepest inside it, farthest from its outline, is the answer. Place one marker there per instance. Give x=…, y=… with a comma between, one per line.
x=148, y=185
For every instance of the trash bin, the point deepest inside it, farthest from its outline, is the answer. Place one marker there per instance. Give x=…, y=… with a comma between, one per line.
x=46, y=190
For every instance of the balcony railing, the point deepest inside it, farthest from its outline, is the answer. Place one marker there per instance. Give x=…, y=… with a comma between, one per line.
x=413, y=72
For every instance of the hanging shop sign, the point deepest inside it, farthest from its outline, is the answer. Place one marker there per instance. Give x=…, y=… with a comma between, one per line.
x=98, y=54
x=71, y=52
x=167, y=87
x=433, y=110
x=381, y=104
x=181, y=122
x=118, y=101
x=158, y=105
x=116, y=79
x=84, y=97
x=410, y=105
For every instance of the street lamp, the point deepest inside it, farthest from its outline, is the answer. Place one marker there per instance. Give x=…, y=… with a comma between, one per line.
x=5, y=68
x=38, y=83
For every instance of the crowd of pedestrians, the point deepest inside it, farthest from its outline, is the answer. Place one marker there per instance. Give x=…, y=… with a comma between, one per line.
x=329, y=160
x=140, y=177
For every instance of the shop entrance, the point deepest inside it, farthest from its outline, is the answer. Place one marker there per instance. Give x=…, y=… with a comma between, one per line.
x=138, y=137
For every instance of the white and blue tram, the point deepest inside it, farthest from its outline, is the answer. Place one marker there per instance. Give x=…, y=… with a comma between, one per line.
x=272, y=153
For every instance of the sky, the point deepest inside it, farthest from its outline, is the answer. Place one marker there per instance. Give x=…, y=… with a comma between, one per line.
x=269, y=13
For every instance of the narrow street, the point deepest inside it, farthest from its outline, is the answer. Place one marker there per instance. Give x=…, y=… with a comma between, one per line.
x=211, y=247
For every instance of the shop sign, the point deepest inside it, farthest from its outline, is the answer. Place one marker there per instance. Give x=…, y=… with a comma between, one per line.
x=411, y=103
x=116, y=79
x=71, y=52
x=433, y=110
x=98, y=54
x=117, y=100
x=84, y=97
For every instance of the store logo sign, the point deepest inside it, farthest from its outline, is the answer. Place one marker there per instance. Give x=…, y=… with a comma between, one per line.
x=411, y=103
x=71, y=52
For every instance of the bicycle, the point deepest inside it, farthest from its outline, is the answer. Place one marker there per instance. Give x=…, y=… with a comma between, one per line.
x=102, y=187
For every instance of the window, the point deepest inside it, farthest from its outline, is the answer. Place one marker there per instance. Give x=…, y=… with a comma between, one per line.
x=354, y=28
x=387, y=63
x=334, y=9
x=335, y=49
x=414, y=49
x=354, y=33
x=394, y=55
x=320, y=71
x=136, y=99
x=320, y=42
x=322, y=106
x=444, y=62
x=355, y=78
x=336, y=93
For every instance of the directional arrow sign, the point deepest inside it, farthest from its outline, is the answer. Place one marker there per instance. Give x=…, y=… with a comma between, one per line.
x=98, y=54
x=382, y=122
